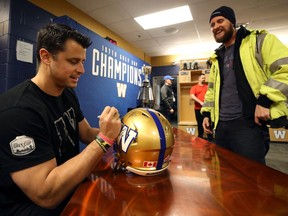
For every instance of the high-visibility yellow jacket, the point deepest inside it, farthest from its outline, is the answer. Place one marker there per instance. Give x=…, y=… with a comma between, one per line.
x=265, y=65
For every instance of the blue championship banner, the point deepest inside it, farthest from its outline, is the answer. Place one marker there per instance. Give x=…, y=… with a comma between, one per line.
x=112, y=77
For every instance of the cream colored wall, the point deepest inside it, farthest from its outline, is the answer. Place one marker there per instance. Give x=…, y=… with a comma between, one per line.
x=177, y=59
x=163, y=60
x=61, y=8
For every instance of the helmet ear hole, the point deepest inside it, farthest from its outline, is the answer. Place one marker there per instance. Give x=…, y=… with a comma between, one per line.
x=146, y=142
x=145, y=114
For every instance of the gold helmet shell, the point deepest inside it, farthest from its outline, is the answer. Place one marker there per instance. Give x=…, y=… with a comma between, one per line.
x=146, y=142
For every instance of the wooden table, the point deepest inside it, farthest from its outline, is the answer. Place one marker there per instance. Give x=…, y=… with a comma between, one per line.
x=202, y=179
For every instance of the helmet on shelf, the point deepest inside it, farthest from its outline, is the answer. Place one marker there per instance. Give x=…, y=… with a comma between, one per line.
x=145, y=143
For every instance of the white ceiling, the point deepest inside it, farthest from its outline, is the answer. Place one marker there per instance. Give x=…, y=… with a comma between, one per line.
x=193, y=38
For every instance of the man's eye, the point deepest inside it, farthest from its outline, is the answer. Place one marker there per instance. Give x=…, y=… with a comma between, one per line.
x=73, y=61
x=220, y=21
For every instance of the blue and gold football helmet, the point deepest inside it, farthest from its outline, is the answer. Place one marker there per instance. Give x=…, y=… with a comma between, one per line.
x=145, y=143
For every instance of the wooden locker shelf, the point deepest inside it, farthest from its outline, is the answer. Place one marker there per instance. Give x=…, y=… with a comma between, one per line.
x=186, y=79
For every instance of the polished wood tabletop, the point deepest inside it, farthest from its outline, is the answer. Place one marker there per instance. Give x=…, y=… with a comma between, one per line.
x=202, y=179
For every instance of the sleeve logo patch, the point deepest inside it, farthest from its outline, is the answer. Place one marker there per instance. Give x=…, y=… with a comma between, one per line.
x=22, y=145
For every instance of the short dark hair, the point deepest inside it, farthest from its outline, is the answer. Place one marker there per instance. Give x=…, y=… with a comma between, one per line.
x=53, y=37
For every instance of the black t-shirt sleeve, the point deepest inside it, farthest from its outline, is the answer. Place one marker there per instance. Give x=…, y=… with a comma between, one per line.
x=25, y=140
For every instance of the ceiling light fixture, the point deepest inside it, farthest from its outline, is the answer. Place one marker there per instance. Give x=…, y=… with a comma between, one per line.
x=165, y=18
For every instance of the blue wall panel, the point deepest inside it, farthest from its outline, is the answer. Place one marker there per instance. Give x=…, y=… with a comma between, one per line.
x=3, y=85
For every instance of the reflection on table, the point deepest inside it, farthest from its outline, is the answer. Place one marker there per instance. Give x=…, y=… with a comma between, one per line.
x=202, y=179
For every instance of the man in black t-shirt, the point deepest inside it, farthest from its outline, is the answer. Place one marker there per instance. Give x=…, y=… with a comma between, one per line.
x=41, y=126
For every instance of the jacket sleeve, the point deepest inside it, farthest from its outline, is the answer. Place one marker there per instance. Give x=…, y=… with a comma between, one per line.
x=275, y=65
x=274, y=92
x=209, y=104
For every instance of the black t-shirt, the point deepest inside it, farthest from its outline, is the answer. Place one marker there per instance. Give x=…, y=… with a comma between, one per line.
x=34, y=128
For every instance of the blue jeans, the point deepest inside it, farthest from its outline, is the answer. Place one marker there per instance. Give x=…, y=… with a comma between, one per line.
x=242, y=137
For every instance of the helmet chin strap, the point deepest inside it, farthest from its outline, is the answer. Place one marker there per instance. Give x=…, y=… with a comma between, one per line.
x=146, y=173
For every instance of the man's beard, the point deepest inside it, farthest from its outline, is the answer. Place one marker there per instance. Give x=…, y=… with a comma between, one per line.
x=226, y=37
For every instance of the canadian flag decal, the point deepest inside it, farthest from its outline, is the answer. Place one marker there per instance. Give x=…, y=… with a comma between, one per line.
x=149, y=164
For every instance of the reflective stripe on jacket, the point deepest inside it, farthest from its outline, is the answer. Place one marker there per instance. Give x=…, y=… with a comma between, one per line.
x=265, y=64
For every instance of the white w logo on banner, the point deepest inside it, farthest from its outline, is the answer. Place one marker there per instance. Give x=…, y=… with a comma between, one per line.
x=121, y=88
x=126, y=137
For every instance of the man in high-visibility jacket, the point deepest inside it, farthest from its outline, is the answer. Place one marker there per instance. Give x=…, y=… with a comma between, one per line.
x=248, y=87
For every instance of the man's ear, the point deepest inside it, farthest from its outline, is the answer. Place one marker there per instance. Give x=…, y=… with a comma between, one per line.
x=45, y=56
